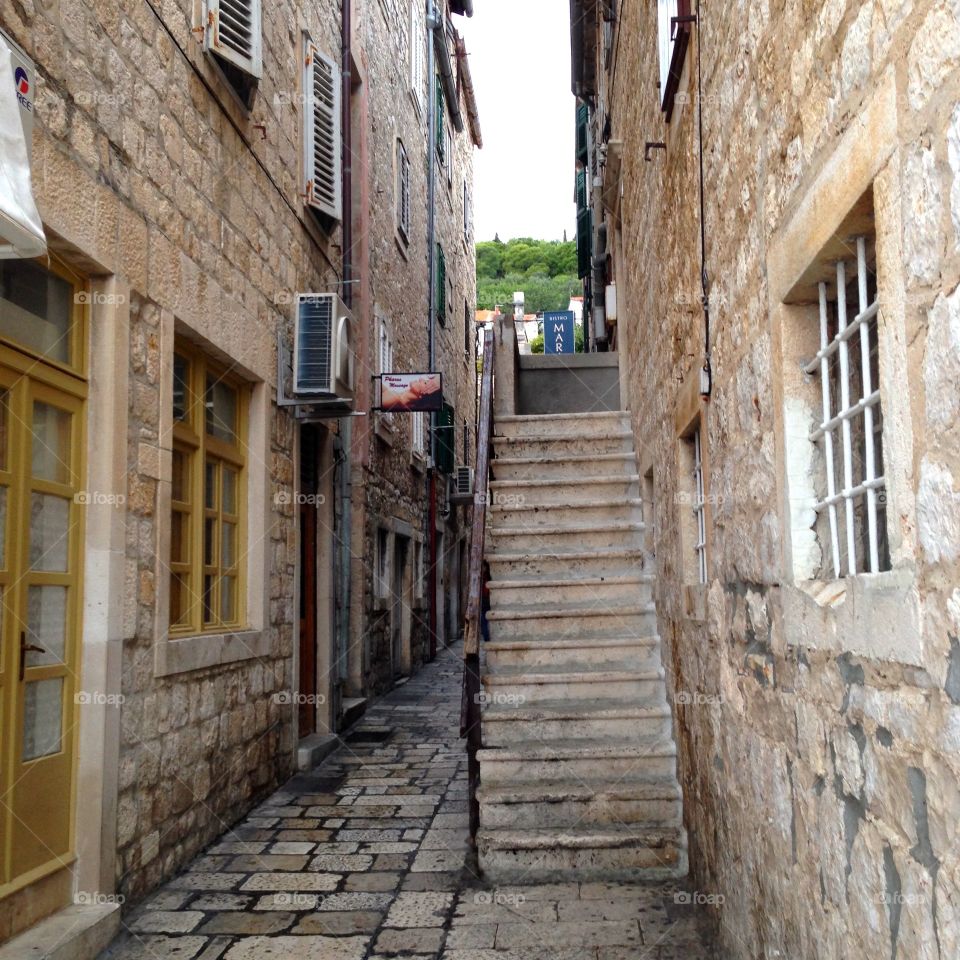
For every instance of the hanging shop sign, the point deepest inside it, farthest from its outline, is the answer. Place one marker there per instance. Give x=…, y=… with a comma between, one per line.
x=411, y=392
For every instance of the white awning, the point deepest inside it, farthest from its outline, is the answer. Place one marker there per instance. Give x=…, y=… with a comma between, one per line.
x=21, y=230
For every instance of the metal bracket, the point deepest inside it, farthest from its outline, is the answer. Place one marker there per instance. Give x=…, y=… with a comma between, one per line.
x=652, y=145
x=676, y=21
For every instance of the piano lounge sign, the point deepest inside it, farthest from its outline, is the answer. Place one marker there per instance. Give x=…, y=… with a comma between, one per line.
x=411, y=392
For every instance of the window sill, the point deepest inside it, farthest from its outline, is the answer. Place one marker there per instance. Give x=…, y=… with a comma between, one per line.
x=402, y=244
x=418, y=461
x=384, y=429
x=185, y=654
x=873, y=615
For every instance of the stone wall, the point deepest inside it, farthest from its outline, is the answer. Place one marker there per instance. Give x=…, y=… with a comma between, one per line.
x=146, y=168
x=818, y=734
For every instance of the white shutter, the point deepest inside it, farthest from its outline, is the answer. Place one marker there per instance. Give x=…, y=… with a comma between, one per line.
x=403, y=190
x=234, y=34
x=418, y=53
x=322, y=161
x=666, y=11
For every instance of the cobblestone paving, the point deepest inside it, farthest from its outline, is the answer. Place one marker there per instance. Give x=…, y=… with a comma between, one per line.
x=367, y=856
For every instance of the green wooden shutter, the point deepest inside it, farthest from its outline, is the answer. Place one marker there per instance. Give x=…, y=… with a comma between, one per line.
x=441, y=123
x=441, y=286
x=445, y=440
x=581, y=190
x=583, y=118
x=584, y=242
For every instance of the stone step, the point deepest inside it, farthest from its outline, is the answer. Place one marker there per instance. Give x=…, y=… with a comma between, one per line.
x=534, y=564
x=572, y=538
x=565, y=622
x=573, y=803
x=547, y=490
x=601, y=758
x=608, y=440
x=632, y=852
x=562, y=466
x=518, y=593
x=523, y=684
x=507, y=724
x=561, y=424
x=584, y=650
x=578, y=512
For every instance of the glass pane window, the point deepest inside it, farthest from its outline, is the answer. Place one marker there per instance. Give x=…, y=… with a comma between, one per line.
x=47, y=624
x=51, y=443
x=49, y=532
x=221, y=410
x=181, y=388
x=36, y=308
x=42, y=718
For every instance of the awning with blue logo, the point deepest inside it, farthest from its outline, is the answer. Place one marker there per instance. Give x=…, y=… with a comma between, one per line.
x=21, y=230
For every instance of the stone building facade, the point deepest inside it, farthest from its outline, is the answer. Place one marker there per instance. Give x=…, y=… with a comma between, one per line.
x=176, y=201
x=814, y=660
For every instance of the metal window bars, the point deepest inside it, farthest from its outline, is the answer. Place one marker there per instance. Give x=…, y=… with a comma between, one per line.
x=699, y=508
x=833, y=362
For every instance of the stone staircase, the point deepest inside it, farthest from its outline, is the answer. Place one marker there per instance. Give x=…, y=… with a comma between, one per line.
x=578, y=764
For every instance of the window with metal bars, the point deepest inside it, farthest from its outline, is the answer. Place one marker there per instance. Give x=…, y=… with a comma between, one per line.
x=403, y=191
x=698, y=506
x=851, y=521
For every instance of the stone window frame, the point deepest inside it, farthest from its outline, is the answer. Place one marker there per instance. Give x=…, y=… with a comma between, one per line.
x=402, y=204
x=872, y=615
x=180, y=653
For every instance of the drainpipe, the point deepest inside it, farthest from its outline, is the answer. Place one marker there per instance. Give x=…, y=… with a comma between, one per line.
x=434, y=22
x=346, y=424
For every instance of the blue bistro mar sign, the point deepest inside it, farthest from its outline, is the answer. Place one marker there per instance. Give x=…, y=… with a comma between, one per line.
x=558, y=332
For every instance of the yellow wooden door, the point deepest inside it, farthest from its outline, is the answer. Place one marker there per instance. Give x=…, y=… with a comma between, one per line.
x=41, y=515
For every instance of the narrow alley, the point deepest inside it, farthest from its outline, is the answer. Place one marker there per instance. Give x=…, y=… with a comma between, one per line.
x=367, y=856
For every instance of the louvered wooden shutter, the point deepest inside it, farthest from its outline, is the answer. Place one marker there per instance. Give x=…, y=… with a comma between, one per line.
x=234, y=34
x=581, y=190
x=322, y=133
x=441, y=286
x=417, y=50
x=403, y=190
x=583, y=118
x=584, y=242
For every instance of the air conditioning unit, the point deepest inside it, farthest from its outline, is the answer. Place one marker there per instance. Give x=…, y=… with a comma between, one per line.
x=323, y=347
x=463, y=481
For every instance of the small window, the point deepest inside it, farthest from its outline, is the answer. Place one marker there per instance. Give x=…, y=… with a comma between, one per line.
x=419, y=430
x=207, y=495
x=417, y=52
x=692, y=501
x=384, y=356
x=467, y=212
x=403, y=192
x=321, y=133
x=233, y=35
x=851, y=522
x=469, y=338
x=673, y=35
x=441, y=290
x=648, y=492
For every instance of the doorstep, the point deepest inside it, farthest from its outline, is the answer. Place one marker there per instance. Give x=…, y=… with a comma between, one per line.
x=78, y=932
x=312, y=750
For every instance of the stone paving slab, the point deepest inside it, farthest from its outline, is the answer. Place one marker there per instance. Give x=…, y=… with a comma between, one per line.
x=368, y=857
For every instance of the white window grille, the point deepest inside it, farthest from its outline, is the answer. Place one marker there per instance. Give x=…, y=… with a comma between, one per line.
x=403, y=191
x=699, y=508
x=418, y=52
x=853, y=500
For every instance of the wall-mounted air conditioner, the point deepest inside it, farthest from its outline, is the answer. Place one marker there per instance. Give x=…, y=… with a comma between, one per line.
x=463, y=481
x=323, y=347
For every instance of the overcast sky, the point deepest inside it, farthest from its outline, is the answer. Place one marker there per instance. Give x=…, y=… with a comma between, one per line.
x=520, y=61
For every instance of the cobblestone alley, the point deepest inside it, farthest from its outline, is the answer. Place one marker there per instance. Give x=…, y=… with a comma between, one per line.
x=367, y=856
